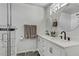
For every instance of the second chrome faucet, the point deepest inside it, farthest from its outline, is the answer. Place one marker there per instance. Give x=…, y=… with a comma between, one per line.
x=64, y=35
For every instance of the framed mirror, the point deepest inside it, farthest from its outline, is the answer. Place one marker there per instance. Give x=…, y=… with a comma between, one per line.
x=69, y=17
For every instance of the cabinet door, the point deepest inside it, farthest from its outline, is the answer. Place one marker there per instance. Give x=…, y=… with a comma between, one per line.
x=46, y=48
x=57, y=50
x=51, y=49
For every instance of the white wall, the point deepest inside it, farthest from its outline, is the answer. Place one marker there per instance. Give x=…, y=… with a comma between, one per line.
x=75, y=22
x=26, y=45
x=48, y=20
x=27, y=14
x=64, y=22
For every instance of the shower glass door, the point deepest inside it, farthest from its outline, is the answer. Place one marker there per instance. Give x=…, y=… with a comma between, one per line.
x=7, y=31
x=3, y=33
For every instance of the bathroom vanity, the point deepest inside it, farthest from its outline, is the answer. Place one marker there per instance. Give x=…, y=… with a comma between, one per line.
x=54, y=46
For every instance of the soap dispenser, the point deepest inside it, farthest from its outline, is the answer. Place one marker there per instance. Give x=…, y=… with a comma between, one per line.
x=68, y=38
x=53, y=33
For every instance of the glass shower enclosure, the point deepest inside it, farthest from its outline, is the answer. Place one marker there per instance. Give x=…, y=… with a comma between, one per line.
x=7, y=31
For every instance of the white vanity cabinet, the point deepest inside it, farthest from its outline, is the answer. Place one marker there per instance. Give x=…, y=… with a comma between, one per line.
x=47, y=48
x=55, y=47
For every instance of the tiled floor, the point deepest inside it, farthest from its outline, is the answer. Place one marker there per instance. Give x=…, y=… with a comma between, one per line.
x=30, y=53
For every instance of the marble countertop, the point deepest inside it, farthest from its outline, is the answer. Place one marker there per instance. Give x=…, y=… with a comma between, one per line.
x=60, y=42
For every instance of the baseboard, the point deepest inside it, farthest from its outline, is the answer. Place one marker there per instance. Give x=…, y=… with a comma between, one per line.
x=27, y=50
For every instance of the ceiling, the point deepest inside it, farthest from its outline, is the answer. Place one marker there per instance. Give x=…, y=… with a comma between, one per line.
x=41, y=4
x=71, y=8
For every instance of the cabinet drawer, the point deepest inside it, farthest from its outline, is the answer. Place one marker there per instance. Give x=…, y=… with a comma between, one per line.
x=56, y=50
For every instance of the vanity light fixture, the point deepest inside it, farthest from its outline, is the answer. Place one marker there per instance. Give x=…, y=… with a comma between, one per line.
x=56, y=6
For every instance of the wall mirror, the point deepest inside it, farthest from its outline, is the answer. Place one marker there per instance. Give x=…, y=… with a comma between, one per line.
x=69, y=17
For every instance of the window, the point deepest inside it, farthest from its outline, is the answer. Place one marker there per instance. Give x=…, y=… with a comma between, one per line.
x=30, y=31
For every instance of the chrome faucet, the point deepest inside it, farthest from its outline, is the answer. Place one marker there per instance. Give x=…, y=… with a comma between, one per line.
x=64, y=34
